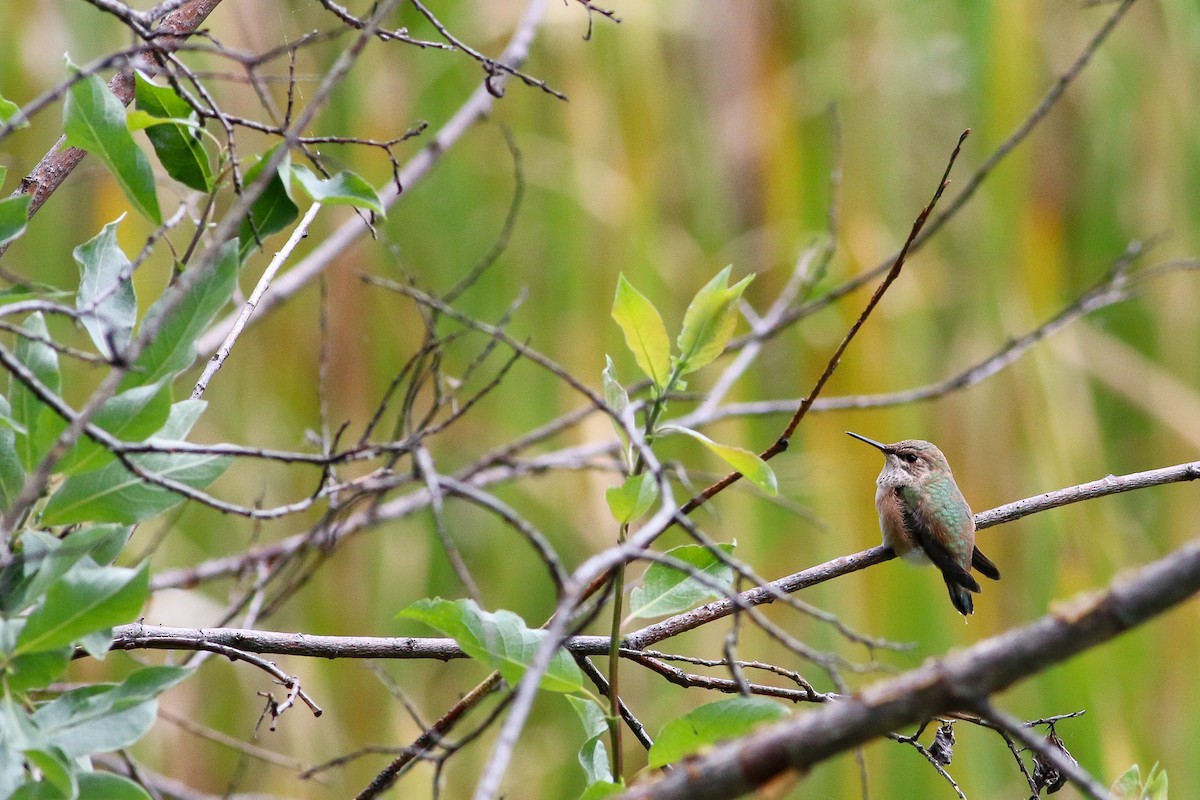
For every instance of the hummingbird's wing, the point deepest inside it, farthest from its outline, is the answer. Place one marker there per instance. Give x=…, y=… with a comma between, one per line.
x=922, y=511
x=984, y=564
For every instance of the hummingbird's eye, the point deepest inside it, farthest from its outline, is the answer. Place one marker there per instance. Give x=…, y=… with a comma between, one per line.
x=911, y=458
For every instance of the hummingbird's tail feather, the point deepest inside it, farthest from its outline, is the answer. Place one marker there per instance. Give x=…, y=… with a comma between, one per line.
x=960, y=597
x=984, y=565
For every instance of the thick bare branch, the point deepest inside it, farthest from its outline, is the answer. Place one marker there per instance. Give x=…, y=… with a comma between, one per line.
x=959, y=680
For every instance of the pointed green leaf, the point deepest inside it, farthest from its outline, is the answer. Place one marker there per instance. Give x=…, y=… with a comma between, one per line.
x=712, y=723
x=45, y=558
x=632, y=498
x=98, y=718
x=709, y=322
x=343, y=189
x=669, y=590
x=132, y=416
x=86, y=599
x=57, y=773
x=273, y=210
x=8, y=110
x=110, y=786
x=753, y=468
x=12, y=476
x=104, y=542
x=105, y=299
x=27, y=410
x=1132, y=786
x=114, y=494
x=501, y=640
x=32, y=671
x=593, y=756
x=615, y=395
x=94, y=120
x=1156, y=785
x=1129, y=785
x=181, y=419
x=645, y=333
x=14, y=216
x=174, y=134
x=18, y=730
x=174, y=348
x=601, y=790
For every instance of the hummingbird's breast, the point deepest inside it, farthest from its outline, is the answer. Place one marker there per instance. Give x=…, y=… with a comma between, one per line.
x=896, y=534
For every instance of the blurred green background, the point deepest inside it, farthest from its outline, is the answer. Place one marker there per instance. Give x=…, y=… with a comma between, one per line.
x=698, y=134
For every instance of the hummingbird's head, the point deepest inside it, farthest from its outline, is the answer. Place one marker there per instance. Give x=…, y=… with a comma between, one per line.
x=909, y=460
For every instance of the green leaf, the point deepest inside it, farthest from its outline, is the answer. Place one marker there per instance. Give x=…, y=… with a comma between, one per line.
x=645, y=334
x=712, y=723
x=18, y=730
x=343, y=189
x=27, y=410
x=1156, y=785
x=615, y=395
x=56, y=771
x=753, y=468
x=110, y=787
x=593, y=756
x=174, y=134
x=20, y=292
x=106, y=298
x=132, y=416
x=1131, y=786
x=85, y=600
x=146, y=684
x=500, y=640
x=105, y=542
x=45, y=558
x=8, y=110
x=36, y=670
x=94, y=120
x=669, y=590
x=12, y=476
x=14, y=216
x=273, y=210
x=99, y=718
x=601, y=789
x=709, y=321
x=21, y=673
x=632, y=498
x=174, y=348
x=181, y=419
x=114, y=494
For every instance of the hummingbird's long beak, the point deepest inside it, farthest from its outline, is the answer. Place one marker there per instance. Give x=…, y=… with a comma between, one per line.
x=872, y=442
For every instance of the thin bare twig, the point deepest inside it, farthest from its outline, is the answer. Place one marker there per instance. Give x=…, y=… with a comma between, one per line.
x=264, y=283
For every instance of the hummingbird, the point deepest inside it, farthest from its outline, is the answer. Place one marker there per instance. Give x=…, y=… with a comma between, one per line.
x=925, y=519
